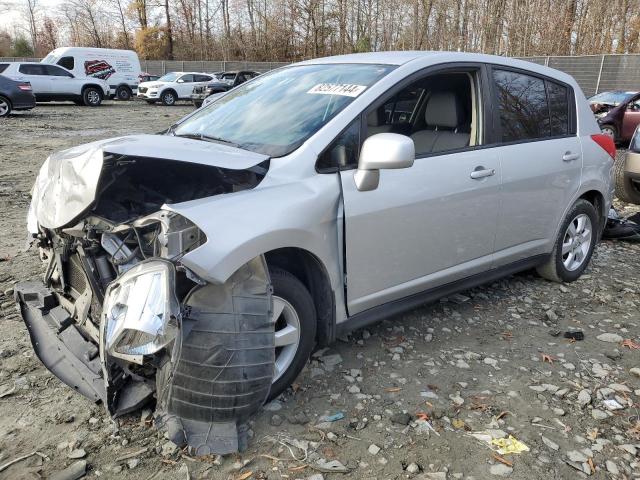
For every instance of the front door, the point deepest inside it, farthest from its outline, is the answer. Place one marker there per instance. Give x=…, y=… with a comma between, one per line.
x=36, y=75
x=432, y=223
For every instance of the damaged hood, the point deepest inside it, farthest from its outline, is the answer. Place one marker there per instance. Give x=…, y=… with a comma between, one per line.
x=67, y=183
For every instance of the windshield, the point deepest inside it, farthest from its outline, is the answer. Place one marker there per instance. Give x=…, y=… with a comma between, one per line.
x=275, y=113
x=613, y=98
x=169, y=77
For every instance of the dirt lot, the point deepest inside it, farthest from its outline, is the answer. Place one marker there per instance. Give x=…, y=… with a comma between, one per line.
x=485, y=361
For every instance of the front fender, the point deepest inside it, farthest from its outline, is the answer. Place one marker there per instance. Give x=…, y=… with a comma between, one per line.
x=243, y=225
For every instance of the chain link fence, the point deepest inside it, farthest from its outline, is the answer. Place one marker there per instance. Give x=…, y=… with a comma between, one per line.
x=594, y=73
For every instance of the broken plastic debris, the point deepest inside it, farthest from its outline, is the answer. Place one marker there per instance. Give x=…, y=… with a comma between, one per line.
x=577, y=336
x=509, y=445
x=332, y=418
x=503, y=446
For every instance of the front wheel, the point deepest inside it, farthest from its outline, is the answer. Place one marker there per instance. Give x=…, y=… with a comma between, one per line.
x=91, y=97
x=168, y=98
x=295, y=328
x=574, y=245
x=5, y=107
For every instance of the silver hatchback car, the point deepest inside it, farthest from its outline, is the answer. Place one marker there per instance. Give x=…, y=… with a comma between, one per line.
x=198, y=269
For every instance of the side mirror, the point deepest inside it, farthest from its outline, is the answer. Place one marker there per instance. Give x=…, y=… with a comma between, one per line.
x=380, y=152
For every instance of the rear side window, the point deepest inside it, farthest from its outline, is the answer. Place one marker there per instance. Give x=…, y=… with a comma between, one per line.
x=32, y=69
x=558, y=108
x=202, y=78
x=523, y=106
x=67, y=62
x=3, y=67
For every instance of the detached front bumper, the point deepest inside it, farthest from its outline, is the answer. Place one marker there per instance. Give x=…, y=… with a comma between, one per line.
x=58, y=342
x=62, y=346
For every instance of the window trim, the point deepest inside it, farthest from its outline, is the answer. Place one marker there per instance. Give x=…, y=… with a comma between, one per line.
x=497, y=130
x=336, y=169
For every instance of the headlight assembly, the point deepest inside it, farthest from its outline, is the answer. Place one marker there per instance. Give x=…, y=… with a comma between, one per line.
x=141, y=311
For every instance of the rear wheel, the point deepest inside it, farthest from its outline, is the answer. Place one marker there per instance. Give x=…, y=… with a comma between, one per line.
x=574, y=245
x=168, y=98
x=123, y=93
x=626, y=189
x=91, y=97
x=295, y=328
x=5, y=107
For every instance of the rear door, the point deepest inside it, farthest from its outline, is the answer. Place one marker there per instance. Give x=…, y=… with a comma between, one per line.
x=541, y=160
x=36, y=74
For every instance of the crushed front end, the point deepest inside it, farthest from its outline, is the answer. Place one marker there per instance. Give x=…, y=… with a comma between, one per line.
x=118, y=317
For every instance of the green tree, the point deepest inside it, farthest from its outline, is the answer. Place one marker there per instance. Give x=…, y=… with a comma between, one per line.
x=21, y=48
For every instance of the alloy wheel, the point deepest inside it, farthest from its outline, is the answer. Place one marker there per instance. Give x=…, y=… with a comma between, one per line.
x=4, y=107
x=93, y=97
x=169, y=99
x=577, y=242
x=287, y=335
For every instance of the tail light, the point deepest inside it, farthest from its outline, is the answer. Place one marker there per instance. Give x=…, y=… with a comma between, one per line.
x=606, y=142
x=25, y=86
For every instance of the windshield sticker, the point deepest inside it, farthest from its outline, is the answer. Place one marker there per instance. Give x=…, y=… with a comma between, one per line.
x=344, y=89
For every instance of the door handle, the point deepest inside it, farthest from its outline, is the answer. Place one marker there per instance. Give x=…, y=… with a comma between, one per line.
x=569, y=157
x=481, y=172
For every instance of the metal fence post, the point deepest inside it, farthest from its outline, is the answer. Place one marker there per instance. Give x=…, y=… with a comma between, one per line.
x=546, y=62
x=164, y=68
x=599, y=74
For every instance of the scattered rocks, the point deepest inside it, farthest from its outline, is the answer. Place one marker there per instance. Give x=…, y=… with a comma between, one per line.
x=612, y=468
x=169, y=448
x=610, y=338
x=72, y=472
x=549, y=443
x=412, y=468
x=373, y=449
x=500, y=470
x=400, y=418
x=77, y=454
x=584, y=398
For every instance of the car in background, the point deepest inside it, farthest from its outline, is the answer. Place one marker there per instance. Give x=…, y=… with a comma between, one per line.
x=119, y=68
x=627, y=172
x=224, y=82
x=52, y=83
x=147, y=77
x=15, y=96
x=602, y=102
x=621, y=120
x=172, y=86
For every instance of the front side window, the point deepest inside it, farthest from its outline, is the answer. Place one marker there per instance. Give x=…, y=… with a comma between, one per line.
x=67, y=62
x=186, y=78
x=278, y=111
x=523, y=106
x=54, y=71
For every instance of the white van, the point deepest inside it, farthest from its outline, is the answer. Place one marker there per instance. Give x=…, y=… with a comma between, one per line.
x=120, y=68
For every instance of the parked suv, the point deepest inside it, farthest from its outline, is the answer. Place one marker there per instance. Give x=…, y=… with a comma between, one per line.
x=54, y=83
x=201, y=267
x=172, y=87
x=223, y=82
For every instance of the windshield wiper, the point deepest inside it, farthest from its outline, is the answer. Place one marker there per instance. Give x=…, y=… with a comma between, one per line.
x=207, y=138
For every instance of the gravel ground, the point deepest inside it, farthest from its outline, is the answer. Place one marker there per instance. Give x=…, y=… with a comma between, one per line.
x=413, y=397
